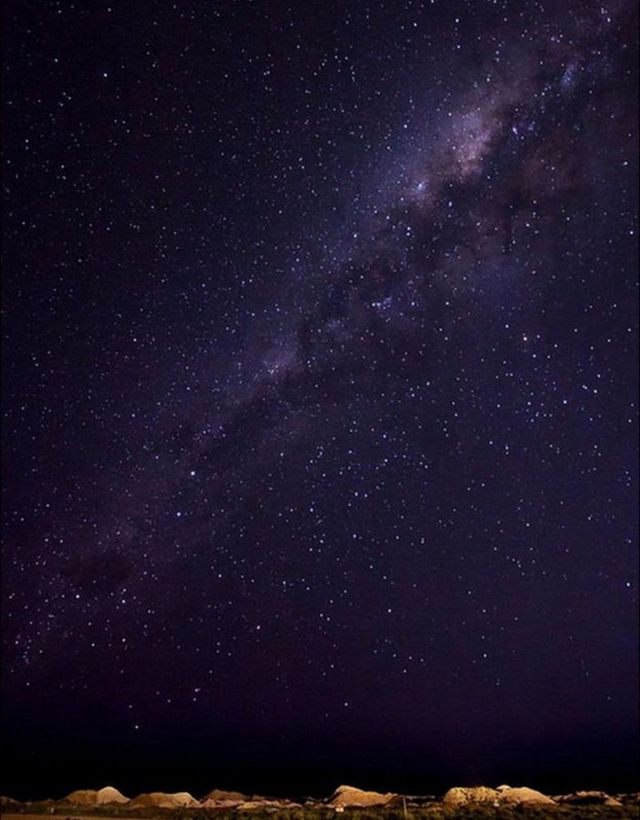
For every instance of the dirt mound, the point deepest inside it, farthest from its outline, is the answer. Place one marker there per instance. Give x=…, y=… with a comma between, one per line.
x=161, y=800
x=218, y=795
x=589, y=798
x=93, y=797
x=463, y=796
x=523, y=794
x=350, y=796
x=269, y=805
x=8, y=802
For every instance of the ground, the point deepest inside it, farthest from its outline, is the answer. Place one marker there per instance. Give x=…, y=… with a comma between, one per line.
x=433, y=812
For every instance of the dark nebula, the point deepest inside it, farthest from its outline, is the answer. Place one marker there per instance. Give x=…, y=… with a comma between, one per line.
x=320, y=395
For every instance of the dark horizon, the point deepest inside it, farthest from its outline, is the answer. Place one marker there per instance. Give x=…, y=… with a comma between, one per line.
x=320, y=394
x=558, y=769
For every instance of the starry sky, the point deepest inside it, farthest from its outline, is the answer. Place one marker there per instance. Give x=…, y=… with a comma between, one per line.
x=320, y=394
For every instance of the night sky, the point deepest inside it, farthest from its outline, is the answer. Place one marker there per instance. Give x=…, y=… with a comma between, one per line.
x=320, y=394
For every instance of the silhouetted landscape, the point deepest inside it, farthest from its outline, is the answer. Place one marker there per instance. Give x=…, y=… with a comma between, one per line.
x=479, y=802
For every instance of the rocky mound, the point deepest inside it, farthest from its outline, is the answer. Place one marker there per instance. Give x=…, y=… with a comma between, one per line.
x=589, y=798
x=218, y=795
x=463, y=796
x=161, y=800
x=220, y=799
x=522, y=794
x=221, y=804
x=628, y=799
x=8, y=803
x=270, y=805
x=350, y=796
x=91, y=797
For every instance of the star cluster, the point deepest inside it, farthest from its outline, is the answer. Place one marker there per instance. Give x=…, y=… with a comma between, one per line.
x=320, y=412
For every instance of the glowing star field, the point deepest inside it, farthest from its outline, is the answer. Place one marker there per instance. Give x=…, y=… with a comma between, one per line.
x=320, y=395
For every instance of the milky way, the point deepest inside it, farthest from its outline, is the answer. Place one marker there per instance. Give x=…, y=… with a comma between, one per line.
x=320, y=394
